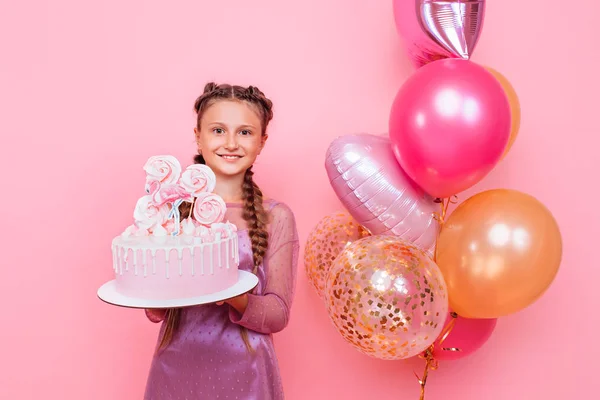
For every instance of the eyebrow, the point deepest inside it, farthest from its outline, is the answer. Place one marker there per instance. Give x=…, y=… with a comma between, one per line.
x=241, y=126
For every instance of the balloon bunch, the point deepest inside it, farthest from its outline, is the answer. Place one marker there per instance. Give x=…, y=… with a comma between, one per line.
x=399, y=277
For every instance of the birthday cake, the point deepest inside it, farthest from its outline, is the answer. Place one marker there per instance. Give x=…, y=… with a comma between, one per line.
x=174, y=250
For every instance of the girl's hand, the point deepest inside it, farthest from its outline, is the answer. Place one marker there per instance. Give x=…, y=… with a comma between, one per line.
x=239, y=302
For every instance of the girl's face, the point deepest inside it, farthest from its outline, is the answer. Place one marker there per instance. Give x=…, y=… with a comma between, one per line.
x=230, y=137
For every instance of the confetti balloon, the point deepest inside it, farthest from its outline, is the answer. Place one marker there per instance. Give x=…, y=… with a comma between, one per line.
x=386, y=297
x=325, y=242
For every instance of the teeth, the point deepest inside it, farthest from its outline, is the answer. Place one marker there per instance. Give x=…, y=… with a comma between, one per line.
x=231, y=157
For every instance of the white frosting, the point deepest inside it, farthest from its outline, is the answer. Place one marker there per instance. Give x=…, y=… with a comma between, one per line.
x=188, y=227
x=211, y=261
x=227, y=250
x=153, y=253
x=144, y=261
x=123, y=245
x=159, y=231
x=192, y=261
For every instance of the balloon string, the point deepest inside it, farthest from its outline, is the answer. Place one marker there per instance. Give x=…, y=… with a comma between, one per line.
x=431, y=364
x=444, y=204
x=441, y=218
x=448, y=328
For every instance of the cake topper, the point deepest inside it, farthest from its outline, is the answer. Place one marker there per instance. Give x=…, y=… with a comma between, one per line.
x=167, y=187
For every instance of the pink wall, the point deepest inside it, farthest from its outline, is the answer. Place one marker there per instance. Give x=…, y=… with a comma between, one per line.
x=88, y=90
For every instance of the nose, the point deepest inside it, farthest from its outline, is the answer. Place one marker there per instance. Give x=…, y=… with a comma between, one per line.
x=231, y=141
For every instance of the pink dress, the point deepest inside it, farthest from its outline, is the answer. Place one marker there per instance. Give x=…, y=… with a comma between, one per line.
x=207, y=358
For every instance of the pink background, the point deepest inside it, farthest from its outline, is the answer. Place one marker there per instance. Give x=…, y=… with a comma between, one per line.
x=89, y=90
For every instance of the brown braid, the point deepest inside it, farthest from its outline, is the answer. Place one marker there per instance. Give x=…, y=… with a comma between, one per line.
x=254, y=213
x=256, y=218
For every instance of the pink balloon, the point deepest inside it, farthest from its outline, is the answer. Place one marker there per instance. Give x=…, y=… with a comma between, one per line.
x=466, y=336
x=454, y=24
x=370, y=183
x=449, y=125
x=422, y=48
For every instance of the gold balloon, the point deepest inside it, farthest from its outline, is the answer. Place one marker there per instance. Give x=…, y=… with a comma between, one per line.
x=386, y=297
x=498, y=251
x=515, y=107
x=325, y=242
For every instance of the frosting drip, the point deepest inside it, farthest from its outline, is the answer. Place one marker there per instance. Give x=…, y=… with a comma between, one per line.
x=197, y=251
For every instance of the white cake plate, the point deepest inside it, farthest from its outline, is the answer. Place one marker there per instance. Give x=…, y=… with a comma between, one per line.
x=108, y=293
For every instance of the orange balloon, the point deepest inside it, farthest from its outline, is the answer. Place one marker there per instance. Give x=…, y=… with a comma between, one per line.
x=515, y=107
x=328, y=238
x=498, y=251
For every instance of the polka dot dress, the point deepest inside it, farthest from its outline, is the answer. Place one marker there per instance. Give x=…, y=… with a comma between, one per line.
x=207, y=358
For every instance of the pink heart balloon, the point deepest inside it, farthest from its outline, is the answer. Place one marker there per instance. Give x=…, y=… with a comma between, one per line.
x=454, y=24
x=366, y=177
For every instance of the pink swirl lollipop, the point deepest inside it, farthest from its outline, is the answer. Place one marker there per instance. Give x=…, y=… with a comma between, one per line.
x=209, y=208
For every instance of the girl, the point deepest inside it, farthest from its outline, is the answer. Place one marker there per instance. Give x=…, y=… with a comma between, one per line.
x=225, y=350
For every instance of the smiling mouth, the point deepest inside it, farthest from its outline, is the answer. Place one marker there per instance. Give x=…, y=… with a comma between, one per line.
x=229, y=156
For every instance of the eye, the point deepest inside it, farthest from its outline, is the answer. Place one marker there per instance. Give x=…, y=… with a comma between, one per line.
x=218, y=131
x=245, y=132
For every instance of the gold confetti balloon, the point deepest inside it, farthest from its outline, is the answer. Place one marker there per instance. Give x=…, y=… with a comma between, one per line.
x=325, y=242
x=386, y=297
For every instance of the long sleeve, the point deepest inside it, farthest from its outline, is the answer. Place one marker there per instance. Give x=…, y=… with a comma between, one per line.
x=269, y=312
